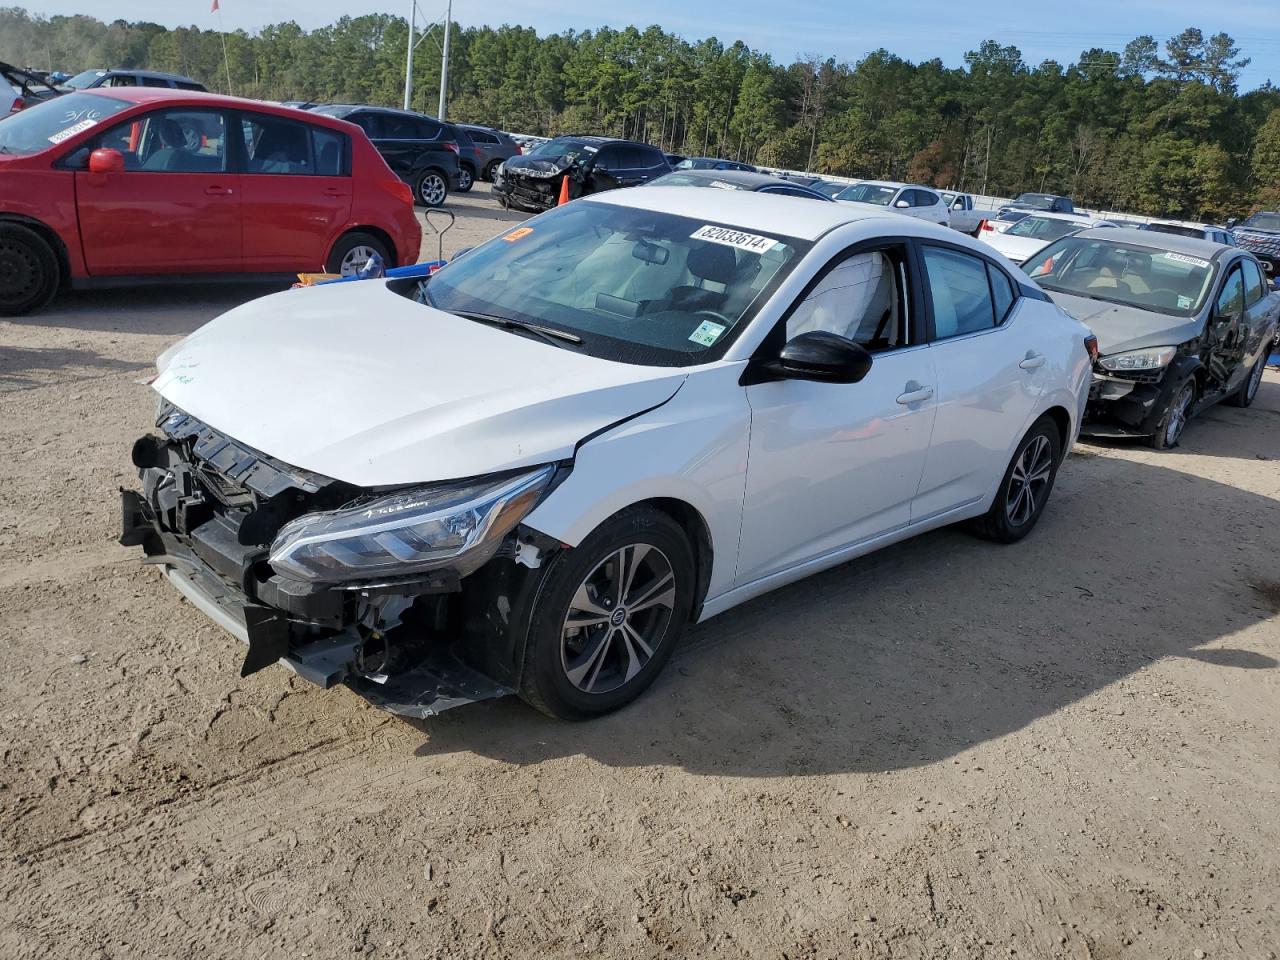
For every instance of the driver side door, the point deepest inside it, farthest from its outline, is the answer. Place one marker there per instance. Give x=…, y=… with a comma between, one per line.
x=833, y=465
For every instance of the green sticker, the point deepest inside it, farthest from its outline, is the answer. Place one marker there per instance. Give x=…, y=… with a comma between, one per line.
x=707, y=333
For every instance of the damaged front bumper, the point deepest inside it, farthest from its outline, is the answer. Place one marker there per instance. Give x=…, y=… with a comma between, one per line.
x=205, y=518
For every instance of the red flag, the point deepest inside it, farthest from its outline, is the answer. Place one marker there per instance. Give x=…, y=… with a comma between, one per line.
x=214, y=8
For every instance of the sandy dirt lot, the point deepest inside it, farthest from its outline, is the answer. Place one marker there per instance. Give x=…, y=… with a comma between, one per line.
x=1065, y=748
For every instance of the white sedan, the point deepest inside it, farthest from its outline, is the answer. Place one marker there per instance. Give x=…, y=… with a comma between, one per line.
x=531, y=472
x=908, y=199
x=1022, y=240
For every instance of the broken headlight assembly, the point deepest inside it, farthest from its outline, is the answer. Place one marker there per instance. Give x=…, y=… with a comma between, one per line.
x=454, y=526
x=1150, y=358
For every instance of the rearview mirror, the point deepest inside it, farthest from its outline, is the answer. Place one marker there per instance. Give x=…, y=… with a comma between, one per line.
x=902, y=204
x=824, y=357
x=106, y=160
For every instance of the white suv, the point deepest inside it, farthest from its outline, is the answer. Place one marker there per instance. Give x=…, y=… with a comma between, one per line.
x=910, y=199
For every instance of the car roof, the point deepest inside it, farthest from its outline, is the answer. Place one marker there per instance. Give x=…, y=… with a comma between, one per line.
x=750, y=211
x=197, y=98
x=1173, y=242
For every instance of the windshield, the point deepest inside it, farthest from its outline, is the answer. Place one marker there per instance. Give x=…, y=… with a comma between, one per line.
x=829, y=189
x=1264, y=221
x=82, y=80
x=1036, y=201
x=636, y=285
x=1043, y=228
x=53, y=121
x=570, y=151
x=868, y=193
x=1159, y=280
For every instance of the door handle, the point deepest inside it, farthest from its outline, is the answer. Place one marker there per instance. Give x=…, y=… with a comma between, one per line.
x=217, y=191
x=1033, y=361
x=334, y=192
x=915, y=393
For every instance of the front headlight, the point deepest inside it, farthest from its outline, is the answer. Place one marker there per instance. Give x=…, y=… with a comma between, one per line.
x=1151, y=358
x=458, y=526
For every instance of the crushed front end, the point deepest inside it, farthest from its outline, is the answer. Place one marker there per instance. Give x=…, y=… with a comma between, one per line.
x=411, y=596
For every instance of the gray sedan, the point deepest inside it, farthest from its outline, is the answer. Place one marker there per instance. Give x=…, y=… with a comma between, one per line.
x=1182, y=323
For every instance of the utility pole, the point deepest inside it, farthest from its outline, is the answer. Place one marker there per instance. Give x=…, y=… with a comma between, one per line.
x=408, y=67
x=444, y=61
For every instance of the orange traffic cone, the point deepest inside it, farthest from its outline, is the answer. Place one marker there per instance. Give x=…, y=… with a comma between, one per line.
x=564, y=191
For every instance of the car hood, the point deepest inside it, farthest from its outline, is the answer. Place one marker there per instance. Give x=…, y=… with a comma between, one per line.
x=523, y=164
x=357, y=383
x=1119, y=327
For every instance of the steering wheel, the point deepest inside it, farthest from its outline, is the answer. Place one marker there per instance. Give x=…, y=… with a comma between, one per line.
x=719, y=318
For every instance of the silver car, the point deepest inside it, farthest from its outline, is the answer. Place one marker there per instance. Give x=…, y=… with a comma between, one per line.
x=1181, y=322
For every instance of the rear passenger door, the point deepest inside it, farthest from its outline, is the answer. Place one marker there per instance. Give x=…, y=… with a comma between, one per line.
x=296, y=191
x=990, y=376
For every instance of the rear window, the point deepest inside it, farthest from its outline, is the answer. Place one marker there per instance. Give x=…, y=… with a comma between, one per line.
x=50, y=123
x=1044, y=228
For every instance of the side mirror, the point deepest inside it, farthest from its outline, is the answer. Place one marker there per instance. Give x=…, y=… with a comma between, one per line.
x=1232, y=222
x=106, y=160
x=824, y=357
x=902, y=204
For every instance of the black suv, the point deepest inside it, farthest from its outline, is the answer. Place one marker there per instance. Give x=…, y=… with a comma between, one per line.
x=419, y=150
x=592, y=164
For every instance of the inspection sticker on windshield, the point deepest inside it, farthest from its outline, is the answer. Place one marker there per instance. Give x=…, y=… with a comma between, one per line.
x=1183, y=258
x=733, y=238
x=71, y=131
x=707, y=333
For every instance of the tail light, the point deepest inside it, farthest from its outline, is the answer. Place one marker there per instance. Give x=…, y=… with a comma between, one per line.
x=1091, y=345
x=18, y=104
x=450, y=145
x=398, y=189
x=986, y=225
x=519, y=150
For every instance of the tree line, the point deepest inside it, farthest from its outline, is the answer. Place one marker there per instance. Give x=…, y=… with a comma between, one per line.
x=1159, y=130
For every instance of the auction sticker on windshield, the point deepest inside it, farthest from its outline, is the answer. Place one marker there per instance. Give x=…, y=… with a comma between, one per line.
x=1183, y=258
x=71, y=131
x=733, y=238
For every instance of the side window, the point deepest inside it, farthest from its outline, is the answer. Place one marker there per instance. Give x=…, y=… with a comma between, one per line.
x=368, y=122
x=171, y=141
x=1255, y=288
x=430, y=130
x=960, y=291
x=396, y=127
x=923, y=198
x=609, y=159
x=861, y=297
x=479, y=136
x=122, y=80
x=1231, y=299
x=277, y=146
x=154, y=82
x=331, y=153
x=1003, y=293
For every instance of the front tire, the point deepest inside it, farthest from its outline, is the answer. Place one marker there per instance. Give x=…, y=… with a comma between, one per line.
x=431, y=189
x=609, y=616
x=1027, y=483
x=29, y=272
x=1175, y=418
x=466, y=179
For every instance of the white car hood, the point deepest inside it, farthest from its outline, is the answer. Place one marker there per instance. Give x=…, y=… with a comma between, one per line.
x=357, y=383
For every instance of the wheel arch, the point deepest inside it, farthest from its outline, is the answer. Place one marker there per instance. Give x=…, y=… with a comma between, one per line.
x=1061, y=418
x=373, y=231
x=698, y=531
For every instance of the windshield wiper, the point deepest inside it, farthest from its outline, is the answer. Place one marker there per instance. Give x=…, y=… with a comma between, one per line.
x=549, y=334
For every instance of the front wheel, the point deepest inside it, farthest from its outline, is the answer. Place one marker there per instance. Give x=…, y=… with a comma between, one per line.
x=1175, y=418
x=1026, y=486
x=466, y=180
x=28, y=270
x=431, y=189
x=609, y=616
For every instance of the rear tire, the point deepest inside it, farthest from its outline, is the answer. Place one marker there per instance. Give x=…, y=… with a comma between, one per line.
x=352, y=251
x=431, y=189
x=1249, y=389
x=608, y=616
x=466, y=179
x=491, y=171
x=1027, y=484
x=29, y=273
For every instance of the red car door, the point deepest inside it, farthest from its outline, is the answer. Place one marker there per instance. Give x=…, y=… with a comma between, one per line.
x=175, y=208
x=297, y=191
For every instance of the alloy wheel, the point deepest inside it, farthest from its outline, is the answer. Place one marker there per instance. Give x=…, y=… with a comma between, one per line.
x=618, y=618
x=432, y=190
x=1178, y=415
x=464, y=179
x=1029, y=480
x=1255, y=378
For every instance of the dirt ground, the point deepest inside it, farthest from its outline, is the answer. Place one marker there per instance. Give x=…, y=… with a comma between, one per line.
x=1065, y=748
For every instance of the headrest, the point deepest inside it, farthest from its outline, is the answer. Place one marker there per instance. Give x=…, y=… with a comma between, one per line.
x=713, y=261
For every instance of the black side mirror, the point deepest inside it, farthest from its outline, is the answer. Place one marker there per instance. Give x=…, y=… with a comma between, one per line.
x=824, y=357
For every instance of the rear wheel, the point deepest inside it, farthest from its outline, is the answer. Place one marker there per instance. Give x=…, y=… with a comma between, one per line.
x=28, y=270
x=466, y=179
x=431, y=189
x=1249, y=389
x=353, y=250
x=1175, y=418
x=609, y=616
x=1026, y=486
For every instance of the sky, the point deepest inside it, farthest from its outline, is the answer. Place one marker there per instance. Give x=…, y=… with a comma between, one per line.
x=914, y=29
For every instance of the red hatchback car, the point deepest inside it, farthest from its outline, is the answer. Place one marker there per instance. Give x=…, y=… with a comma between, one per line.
x=131, y=184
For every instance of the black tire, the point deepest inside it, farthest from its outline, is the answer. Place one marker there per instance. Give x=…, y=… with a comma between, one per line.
x=557, y=651
x=1174, y=419
x=431, y=189
x=29, y=273
x=1006, y=522
x=466, y=179
x=491, y=171
x=352, y=241
x=1249, y=389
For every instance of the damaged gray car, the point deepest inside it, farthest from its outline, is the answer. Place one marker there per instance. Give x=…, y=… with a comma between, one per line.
x=1182, y=324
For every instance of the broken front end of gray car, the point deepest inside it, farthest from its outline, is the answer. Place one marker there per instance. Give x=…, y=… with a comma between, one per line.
x=416, y=598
